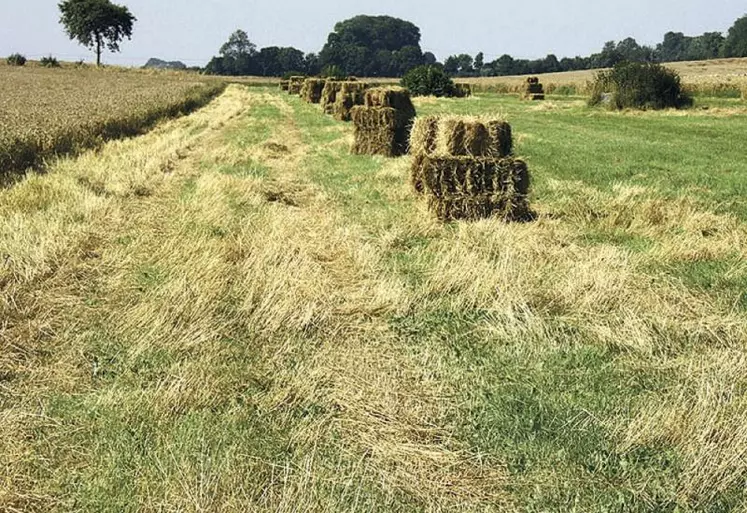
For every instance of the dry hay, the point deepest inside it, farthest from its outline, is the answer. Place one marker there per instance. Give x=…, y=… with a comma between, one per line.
x=382, y=125
x=295, y=84
x=348, y=96
x=534, y=90
x=461, y=136
x=312, y=90
x=473, y=188
x=329, y=94
x=284, y=84
x=463, y=90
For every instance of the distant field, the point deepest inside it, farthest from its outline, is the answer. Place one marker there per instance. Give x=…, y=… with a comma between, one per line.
x=233, y=313
x=722, y=77
x=46, y=112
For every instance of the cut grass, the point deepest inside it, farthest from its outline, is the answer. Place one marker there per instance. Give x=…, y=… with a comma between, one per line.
x=181, y=334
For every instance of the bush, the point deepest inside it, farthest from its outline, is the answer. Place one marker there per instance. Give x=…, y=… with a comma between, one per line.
x=49, y=62
x=16, y=60
x=429, y=80
x=639, y=85
x=334, y=72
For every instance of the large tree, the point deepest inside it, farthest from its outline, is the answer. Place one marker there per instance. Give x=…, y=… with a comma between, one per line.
x=97, y=24
x=736, y=41
x=373, y=46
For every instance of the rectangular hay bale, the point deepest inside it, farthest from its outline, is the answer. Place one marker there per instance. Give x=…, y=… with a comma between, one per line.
x=473, y=188
x=380, y=130
x=461, y=135
x=348, y=96
x=312, y=90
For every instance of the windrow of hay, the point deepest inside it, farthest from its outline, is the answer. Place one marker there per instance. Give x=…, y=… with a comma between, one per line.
x=382, y=124
x=472, y=188
x=534, y=90
x=312, y=90
x=461, y=135
x=295, y=84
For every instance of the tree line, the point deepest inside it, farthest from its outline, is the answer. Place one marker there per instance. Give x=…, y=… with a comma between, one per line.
x=371, y=46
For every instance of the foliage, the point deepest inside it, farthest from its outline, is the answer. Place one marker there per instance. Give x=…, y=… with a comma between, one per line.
x=639, y=86
x=735, y=44
x=97, y=24
x=333, y=71
x=16, y=59
x=102, y=106
x=373, y=46
x=49, y=62
x=429, y=81
x=239, y=56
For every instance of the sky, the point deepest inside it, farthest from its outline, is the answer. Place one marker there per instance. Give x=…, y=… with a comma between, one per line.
x=193, y=30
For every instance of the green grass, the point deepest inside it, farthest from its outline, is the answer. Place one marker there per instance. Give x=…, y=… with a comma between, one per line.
x=344, y=352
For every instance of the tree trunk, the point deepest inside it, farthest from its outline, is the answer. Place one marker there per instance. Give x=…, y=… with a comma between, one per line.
x=98, y=50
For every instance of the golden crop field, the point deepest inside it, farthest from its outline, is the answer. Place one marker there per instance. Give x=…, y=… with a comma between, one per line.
x=47, y=112
x=713, y=78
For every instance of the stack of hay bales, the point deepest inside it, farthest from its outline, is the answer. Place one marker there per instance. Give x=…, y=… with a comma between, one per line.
x=295, y=84
x=348, y=96
x=284, y=84
x=535, y=90
x=463, y=90
x=329, y=94
x=465, y=168
x=312, y=90
x=382, y=124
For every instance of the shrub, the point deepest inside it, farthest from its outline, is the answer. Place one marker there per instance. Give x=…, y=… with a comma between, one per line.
x=429, y=80
x=49, y=62
x=333, y=71
x=639, y=86
x=16, y=60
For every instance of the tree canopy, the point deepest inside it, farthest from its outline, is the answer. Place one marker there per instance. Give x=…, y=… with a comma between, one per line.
x=373, y=46
x=97, y=24
x=735, y=44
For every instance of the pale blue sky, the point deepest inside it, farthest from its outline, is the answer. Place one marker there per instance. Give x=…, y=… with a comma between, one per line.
x=193, y=30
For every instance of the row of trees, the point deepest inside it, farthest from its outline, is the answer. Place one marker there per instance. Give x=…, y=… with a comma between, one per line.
x=364, y=45
x=675, y=47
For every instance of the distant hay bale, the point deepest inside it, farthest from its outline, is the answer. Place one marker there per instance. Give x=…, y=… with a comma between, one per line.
x=295, y=84
x=463, y=90
x=312, y=90
x=329, y=94
x=348, y=96
x=470, y=188
x=461, y=136
x=284, y=84
x=534, y=90
x=383, y=123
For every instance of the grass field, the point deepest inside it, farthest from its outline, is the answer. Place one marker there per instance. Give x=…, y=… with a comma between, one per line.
x=231, y=313
x=48, y=112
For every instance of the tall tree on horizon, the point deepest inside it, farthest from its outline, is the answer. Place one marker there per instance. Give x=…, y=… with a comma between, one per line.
x=97, y=24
